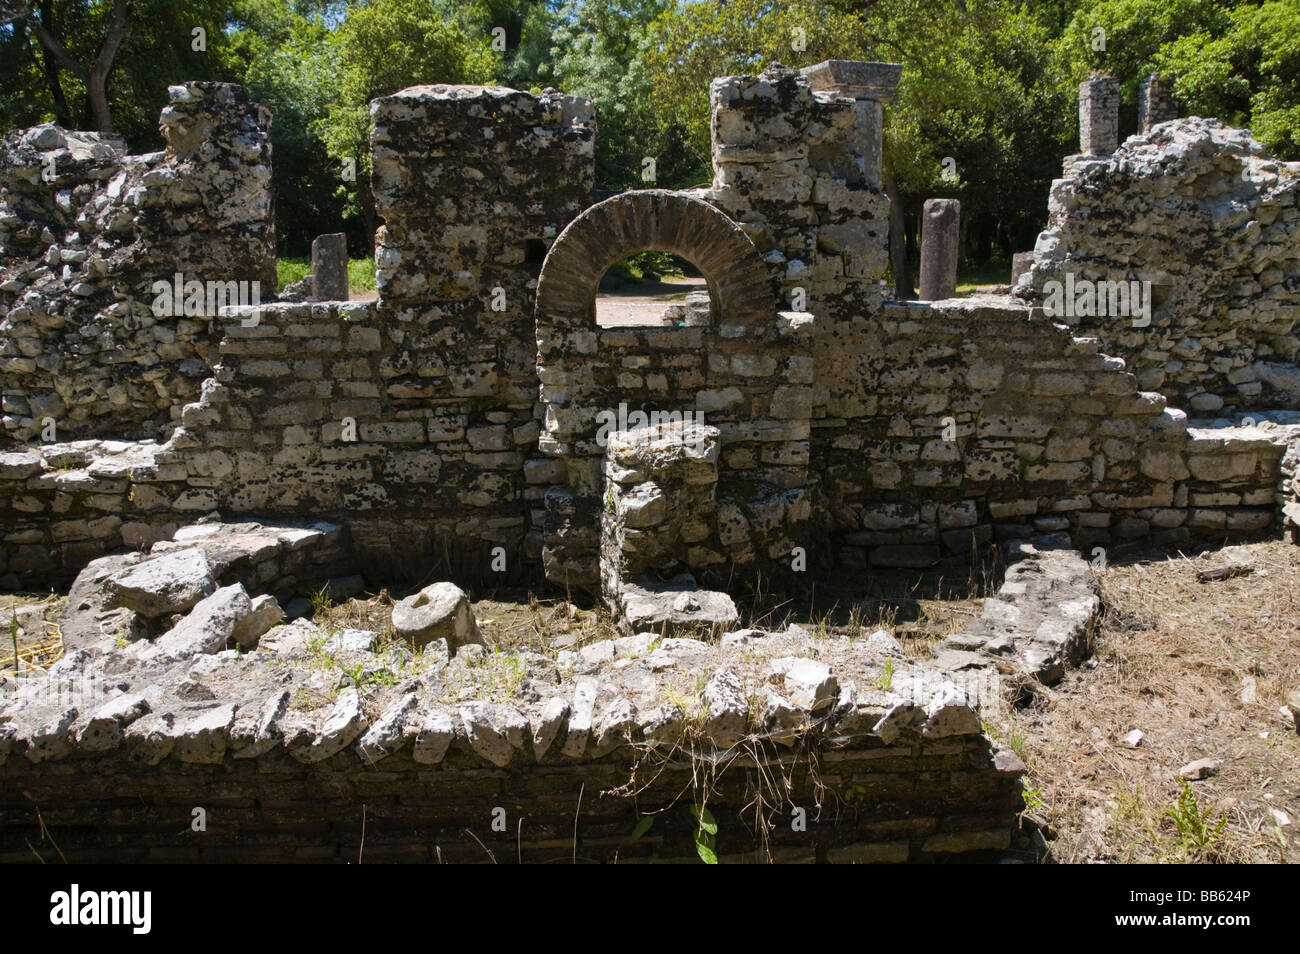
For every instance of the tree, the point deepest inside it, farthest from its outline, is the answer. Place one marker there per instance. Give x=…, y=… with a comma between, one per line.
x=384, y=46
x=93, y=74
x=1247, y=74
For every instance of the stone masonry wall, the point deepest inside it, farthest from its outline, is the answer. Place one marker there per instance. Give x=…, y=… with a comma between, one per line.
x=795, y=167
x=977, y=418
x=85, y=231
x=473, y=184
x=1203, y=213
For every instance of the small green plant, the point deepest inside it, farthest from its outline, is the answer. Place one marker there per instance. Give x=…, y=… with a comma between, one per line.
x=321, y=601
x=1033, y=798
x=885, y=678
x=855, y=793
x=706, y=834
x=1195, y=836
x=642, y=826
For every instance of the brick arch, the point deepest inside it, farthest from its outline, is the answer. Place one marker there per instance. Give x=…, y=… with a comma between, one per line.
x=654, y=219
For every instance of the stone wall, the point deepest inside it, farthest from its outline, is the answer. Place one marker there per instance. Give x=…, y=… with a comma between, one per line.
x=457, y=264
x=748, y=371
x=463, y=409
x=796, y=159
x=1200, y=211
x=977, y=419
x=86, y=230
x=118, y=744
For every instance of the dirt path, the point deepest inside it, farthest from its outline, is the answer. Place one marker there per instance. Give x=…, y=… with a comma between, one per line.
x=643, y=303
x=1201, y=671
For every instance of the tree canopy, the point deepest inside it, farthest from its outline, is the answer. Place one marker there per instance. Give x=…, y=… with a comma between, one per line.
x=987, y=97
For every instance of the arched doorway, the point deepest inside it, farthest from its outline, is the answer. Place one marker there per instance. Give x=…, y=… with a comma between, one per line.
x=734, y=369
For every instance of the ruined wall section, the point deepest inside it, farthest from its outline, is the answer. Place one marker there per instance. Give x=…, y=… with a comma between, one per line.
x=85, y=231
x=795, y=168
x=474, y=184
x=982, y=420
x=747, y=371
x=1202, y=212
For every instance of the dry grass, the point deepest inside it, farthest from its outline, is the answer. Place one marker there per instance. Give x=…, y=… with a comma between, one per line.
x=1202, y=670
x=31, y=618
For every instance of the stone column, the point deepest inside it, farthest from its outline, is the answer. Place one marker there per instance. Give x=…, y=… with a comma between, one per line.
x=1099, y=116
x=939, y=234
x=1021, y=262
x=1156, y=102
x=329, y=267
x=871, y=86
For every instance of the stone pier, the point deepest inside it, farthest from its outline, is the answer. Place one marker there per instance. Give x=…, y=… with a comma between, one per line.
x=1099, y=116
x=939, y=248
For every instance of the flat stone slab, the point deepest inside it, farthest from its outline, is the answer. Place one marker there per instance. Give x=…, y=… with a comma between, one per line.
x=676, y=607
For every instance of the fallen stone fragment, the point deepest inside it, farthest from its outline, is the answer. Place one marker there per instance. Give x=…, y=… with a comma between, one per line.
x=53, y=739
x=673, y=608
x=808, y=683
x=663, y=725
x=546, y=725
x=171, y=583
x=385, y=736
x=898, y=718
x=149, y=739
x=439, y=611
x=781, y=720
x=346, y=721
x=615, y=726
x=1133, y=739
x=580, y=716
x=1201, y=768
x=201, y=738
x=483, y=735
x=726, y=707
x=206, y=628
x=267, y=729
x=265, y=612
x=948, y=712
x=884, y=643
x=434, y=737
x=104, y=730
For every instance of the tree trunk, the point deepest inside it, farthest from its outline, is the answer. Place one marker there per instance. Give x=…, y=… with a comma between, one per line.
x=94, y=76
x=97, y=94
x=903, y=290
x=62, y=112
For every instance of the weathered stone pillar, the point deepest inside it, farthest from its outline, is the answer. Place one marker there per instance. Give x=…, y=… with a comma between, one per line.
x=1156, y=102
x=1021, y=262
x=329, y=267
x=871, y=86
x=1099, y=116
x=941, y=219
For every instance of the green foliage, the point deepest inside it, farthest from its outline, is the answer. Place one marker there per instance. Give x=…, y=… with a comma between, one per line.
x=642, y=826
x=1196, y=837
x=706, y=834
x=361, y=274
x=996, y=96
x=1246, y=72
x=290, y=269
x=885, y=678
x=321, y=600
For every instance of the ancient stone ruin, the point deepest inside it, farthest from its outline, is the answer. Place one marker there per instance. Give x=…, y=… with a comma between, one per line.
x=195, y=456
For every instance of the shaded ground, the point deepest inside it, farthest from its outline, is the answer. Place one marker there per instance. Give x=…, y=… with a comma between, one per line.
x=643, y=302
x=1201, y=670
